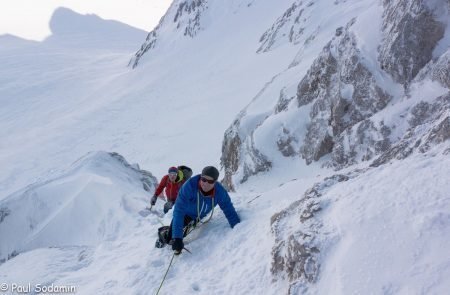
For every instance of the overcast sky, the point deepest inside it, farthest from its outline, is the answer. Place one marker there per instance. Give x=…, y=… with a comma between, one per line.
x=29, y=18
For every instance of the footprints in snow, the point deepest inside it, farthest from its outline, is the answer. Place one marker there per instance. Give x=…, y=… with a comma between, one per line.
x=195, y=287
x=110, y=284
x=157, y=263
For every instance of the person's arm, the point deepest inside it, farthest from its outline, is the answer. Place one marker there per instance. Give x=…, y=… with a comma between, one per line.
x=159, y=190
x=161, y=186
x=179, y=210
x=228, y=209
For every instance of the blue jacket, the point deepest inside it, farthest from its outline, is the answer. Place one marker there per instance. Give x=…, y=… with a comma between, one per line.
x=186, y=204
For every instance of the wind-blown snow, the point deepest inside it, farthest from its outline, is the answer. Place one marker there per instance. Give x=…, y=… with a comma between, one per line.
x=96, y=200
x=391, y=223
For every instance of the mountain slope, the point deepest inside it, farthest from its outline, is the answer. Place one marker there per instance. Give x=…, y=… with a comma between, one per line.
x=347, y=104
x=317, y=72
x=78, y=100
x=69, y=28
x=376, y=230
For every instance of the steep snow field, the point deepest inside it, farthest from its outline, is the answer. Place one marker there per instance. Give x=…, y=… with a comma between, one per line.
x=392, y=226
x=385, y=231
x=60, y=103
x=71, y=211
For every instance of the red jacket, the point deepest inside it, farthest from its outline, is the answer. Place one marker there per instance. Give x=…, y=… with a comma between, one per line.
x=171, y=188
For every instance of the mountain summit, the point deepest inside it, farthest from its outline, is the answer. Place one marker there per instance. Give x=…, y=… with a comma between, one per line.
x=73, y=29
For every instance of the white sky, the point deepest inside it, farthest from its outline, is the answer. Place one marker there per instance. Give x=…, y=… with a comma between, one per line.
x=29, y=19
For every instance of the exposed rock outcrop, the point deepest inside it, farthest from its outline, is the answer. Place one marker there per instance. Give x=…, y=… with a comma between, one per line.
x=183, y=16
x=343, y=92
x=411, y=32
x=253, y=163
x=290, y=27
x=298, y=237
x=438, y=70
x=429, y=126
x=346, y=93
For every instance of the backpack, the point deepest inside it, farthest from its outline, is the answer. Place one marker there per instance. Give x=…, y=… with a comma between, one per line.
x=163, y=237
x=163, y=234
x=187, y=172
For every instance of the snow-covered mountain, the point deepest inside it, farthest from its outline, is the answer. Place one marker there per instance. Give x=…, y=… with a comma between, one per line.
x=10, y=42
x=331, y=120
x=70, y=29
x=352, y=101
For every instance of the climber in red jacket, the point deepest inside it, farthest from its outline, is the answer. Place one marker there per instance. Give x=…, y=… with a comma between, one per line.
x=171, y=184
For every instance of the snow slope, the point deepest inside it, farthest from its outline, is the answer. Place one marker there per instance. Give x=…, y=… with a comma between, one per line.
x=385, y=230
x=75, y=100
x=392, y=224
x=95, y=200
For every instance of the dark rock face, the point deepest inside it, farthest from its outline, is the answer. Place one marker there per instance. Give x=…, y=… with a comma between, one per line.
x=193, y=10
x=231, y=152
x=291, y=27
x=283, y=102
x=411, y=32
x=441, y=70
x=292, y=15
x=4, y=212
x=318, y=141
x=149, y=44
x=438, y=70
x=232, y=148
x=343, y=93
x=258, y=162
x=285, y=143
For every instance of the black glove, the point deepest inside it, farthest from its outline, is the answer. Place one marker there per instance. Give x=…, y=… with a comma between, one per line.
x=153, y=200
x=167, y=206
x=177, y=246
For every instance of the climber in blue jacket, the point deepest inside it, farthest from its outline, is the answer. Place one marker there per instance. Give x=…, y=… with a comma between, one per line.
x=196, y=199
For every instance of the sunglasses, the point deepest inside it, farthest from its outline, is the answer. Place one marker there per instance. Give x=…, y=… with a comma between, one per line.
x=207, y=180
x=173, y=174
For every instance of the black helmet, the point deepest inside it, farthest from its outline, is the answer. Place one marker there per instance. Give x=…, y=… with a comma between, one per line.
x=211, y=171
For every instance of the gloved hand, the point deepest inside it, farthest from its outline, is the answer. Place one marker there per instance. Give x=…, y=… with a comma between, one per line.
x=177, y=246
x=167, y=206
x=153, y=200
